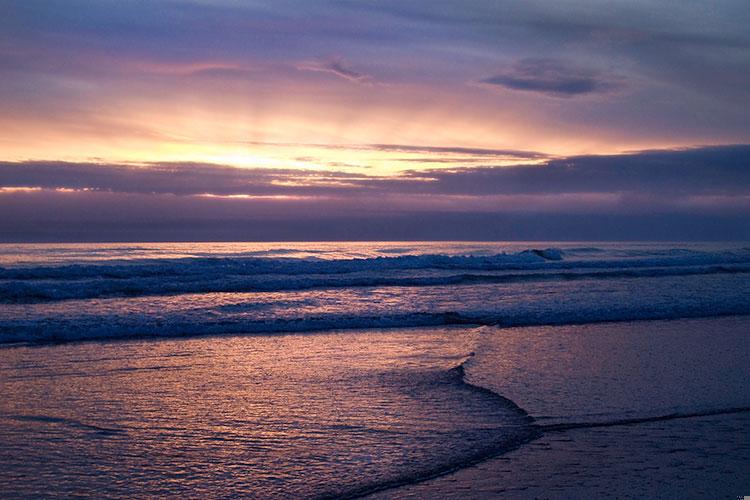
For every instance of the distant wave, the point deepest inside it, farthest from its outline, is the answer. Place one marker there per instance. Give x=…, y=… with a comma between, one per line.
x=532, y=259
x=278, y=265
x=30, y=284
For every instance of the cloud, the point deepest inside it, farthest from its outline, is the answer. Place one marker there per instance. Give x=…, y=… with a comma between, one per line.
x=551, y=77
x=336, y=68
x=701, y=193
x=718, y=175
x=654, y=175
x=409, y=148
x=181, y=179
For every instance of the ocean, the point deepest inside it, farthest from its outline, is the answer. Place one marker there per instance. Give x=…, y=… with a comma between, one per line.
x=108, y=291
x=330, y=370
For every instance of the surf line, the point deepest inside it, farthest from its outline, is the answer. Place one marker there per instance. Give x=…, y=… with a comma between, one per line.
x=640, y=420
x=562, y=427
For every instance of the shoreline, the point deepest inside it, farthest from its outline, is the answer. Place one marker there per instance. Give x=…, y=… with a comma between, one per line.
x=596, y=454
x=530, y=364
x=586, y=463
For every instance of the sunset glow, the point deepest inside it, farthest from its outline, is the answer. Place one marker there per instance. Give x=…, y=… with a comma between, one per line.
x=347, y=103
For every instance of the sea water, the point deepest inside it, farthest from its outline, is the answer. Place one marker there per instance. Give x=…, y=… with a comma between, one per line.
x=107, y=291
x=339, y=369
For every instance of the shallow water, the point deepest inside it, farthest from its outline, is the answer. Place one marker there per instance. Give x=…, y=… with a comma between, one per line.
x=281, y=416
x=344, y=413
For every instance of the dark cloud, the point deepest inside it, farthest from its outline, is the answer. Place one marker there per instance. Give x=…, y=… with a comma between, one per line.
x=714, y=171
x=173, y=178
x=551, y=77
x=697, y=171
x=701, y=193
x=339, y=69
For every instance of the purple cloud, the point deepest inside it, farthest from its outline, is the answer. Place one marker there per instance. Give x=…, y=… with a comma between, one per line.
x=551, y=77
x=709, y=173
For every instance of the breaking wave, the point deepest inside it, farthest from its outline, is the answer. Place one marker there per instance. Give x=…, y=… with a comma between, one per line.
x=237, y=293
x=29, y=284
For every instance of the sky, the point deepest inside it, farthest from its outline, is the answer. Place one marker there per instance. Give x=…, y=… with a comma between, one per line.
x=391, y=119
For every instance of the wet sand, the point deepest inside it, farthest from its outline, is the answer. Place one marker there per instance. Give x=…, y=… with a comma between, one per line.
x=706, y=457
x=597, y=374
